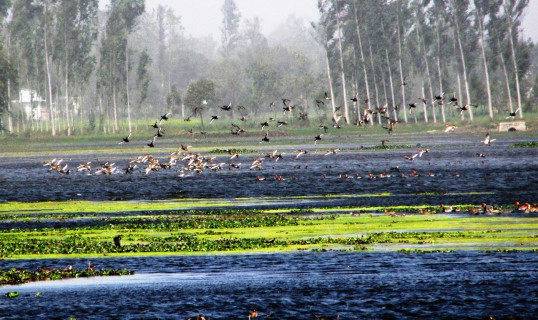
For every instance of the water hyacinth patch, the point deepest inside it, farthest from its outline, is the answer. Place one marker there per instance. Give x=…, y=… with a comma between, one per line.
x=18, y=276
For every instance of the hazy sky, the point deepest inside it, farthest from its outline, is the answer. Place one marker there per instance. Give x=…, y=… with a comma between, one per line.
x=203, y=17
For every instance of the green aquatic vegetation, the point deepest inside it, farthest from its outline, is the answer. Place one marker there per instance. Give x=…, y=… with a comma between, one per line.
x=526, y=144
x=158, y=235
x=12, y=294
x=18, y=276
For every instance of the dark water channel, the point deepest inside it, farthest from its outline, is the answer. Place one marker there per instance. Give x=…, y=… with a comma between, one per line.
x=462, y=285
x=458, y=176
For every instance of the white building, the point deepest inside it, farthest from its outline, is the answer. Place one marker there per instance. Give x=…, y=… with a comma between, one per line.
x=32, y=104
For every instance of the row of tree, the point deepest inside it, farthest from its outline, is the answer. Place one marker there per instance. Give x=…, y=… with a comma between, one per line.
x=404, y=54
x=101, y=70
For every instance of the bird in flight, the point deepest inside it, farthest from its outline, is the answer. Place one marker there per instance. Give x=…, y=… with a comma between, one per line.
x=512, y=114
x=126, y=139
x=487, y=140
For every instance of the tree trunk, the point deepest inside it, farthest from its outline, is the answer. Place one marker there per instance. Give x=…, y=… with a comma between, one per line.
x=366, y=83
x=9, y=116
x=375, y=82
x=516, y=73
x=439, y=71
x=331, y=91
x=127, y=82
x=428, y=75
x=391, y=86
x=460, y=93
x=67, y=95
x=116, y=127
x=507, y=81
x=485, y=62
x=401, y=68
x=464, y=69
x=425, y=105
x=342, y=73
x=49, y=80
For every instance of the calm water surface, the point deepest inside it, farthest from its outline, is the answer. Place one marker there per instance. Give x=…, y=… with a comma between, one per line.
x=468, y=285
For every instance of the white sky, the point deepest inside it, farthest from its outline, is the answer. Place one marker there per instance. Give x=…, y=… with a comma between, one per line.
x=530, y=21
x=203, y=17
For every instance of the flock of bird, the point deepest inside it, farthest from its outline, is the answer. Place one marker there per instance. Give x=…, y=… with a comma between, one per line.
x=197, y=163
x=365, y=118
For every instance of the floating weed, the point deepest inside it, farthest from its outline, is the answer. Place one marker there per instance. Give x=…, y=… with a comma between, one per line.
x=18, y=276
x=12, y=294
x=527, y=144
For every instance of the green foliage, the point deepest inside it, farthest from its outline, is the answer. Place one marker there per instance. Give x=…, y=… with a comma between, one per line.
x=528, y=144
x=230, y=27
x=200, y=91
x=142, y=76
x=173, y=99
x=18, y=276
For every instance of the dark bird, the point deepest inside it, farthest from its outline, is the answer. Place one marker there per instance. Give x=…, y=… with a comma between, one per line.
x=266, y=138
x=126, y=139
x=320, y=103
x=324, y=127
x=130, y=168
x=281, y=123
x=512, y=114
x=412, y=106
x=213, y=118
x=453, y=99
x=152, y=143
x=355, y=98
x=117, y=240
x=462, y=108
x=155, y=125
x=317, y=138
x=327, y=96
x=286, y=101
x=439, y=97
x=165, y=116
x=264, y=124
x=227, y=107
x=404, y=81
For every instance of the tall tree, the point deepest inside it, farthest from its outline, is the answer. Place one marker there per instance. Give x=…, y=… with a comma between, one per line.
x=115, y=53
x=199, y=95
x=513, y=10
x=230, y=27
x=341, y=56
x=75, y=33
x=459, y=13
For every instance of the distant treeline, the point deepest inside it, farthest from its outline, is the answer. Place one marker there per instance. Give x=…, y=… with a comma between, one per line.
x=66, y=67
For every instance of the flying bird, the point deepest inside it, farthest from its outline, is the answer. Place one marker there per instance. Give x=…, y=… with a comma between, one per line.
x=487, y=140
x=512, y=114
x=126, y=139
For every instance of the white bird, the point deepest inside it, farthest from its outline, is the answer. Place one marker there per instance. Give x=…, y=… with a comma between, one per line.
x=487, y=140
